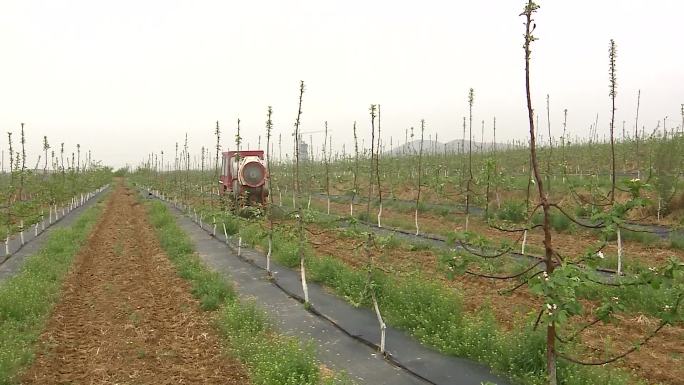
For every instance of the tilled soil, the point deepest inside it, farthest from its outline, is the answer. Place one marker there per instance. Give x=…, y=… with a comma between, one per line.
x=565, y=243
x=125, y=317
x=657, y=362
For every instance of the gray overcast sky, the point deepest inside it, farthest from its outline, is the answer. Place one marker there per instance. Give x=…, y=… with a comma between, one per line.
x=125, y=78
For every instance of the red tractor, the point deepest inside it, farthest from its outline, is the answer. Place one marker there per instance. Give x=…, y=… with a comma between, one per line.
x=244, y=175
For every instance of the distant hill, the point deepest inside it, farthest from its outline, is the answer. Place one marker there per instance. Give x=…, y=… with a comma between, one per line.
x=454, y=146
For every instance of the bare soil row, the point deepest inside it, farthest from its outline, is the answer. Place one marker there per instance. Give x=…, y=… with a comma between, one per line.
x=125, y=317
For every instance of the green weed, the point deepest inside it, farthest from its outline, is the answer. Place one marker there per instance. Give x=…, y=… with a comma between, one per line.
x=27, y=298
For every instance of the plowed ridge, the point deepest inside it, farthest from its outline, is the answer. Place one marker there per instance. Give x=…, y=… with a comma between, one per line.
x=125, y=317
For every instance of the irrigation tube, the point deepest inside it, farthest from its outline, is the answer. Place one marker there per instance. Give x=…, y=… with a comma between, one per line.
x=661, y=231
x=439, y=239
x=311, y=308
x=436, y=238
x=44, y=224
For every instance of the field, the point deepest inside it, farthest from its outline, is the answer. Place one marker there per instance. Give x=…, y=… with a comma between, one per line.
x=494, y=298
x=556, y=262
x=389, y=257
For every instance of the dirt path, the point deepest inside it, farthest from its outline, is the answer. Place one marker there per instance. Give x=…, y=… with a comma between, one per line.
x=125, y=317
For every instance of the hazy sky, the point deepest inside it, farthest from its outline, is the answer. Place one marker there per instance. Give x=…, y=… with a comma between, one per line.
x=126, y=78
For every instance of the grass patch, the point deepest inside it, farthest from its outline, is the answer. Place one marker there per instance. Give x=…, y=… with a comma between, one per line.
x=559, y=222
x=271, y=359
x=27, y=298
x=512, y=212
x=677, y=241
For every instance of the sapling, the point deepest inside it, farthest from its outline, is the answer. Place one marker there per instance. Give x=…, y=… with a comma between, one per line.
x=46, y=147
x=612, y=55
x=72, y=170
x=549, y=159
x=61, y=155
x=201, y=174
x=269, y=205
x=23, y=164
x=356, y=172
x=471, y=100
x=420, y=171
x=370, y=168
x=186, y=157
x=161, y=174
x=176, y=167
x=550, y=265
x=300, y=219
x=10, y=189
x=563, y=140
x=327, y=168
x=237, y=194
x=377, y=170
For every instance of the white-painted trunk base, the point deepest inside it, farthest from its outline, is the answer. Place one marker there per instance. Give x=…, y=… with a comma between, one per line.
x=619, y=258
x=380, y=215
x=382, y=324
x=416, y=219
x=268, y=254
x=305, y=287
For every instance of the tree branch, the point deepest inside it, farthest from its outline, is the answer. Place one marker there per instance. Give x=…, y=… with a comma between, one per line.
x=613, y=359
x=599, y=226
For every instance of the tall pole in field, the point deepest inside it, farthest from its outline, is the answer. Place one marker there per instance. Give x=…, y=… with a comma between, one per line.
x=327, y=168
x=377, y=170
x=217, y=132
x=300, y=220
x=269, y=205
x=471, y=101
x=356, y=172
x=420, y=171
x=612, y=53
x=370, y=169
x=529, y=10
x=636, y=133
x=46, y=147
x=548, y=162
